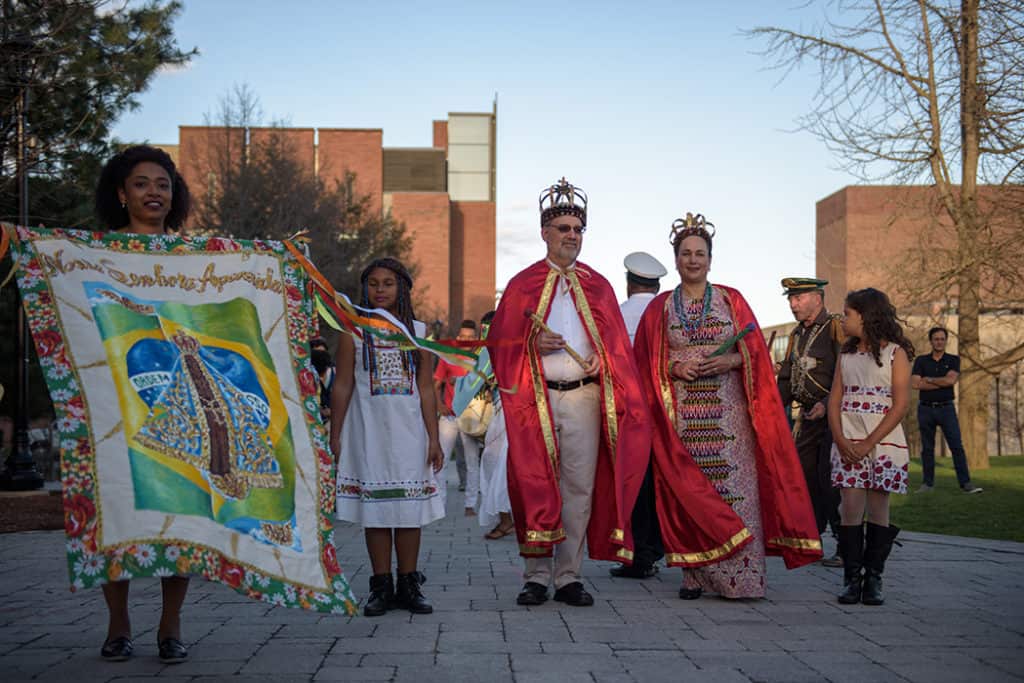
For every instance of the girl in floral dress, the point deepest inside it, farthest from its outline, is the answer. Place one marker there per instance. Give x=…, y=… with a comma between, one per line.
x=870, y=396
x=384, y=436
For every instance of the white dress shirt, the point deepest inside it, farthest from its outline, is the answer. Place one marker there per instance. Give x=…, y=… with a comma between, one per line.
x=564, y=319
x=633, y=309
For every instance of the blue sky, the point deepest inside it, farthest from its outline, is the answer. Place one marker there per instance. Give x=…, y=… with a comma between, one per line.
x=655, y=109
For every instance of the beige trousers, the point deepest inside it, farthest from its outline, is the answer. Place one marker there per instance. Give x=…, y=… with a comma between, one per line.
x=577, y=416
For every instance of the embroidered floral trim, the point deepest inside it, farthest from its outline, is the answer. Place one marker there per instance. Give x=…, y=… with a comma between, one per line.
x=90, y=562
x=879, y=473
x=868, y=391
x=866, y=407
x=418, y=491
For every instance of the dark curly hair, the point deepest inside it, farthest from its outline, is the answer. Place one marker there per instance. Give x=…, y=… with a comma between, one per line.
x=116, y=171
x=691, y=232
x=403, y=306
x=880, y=323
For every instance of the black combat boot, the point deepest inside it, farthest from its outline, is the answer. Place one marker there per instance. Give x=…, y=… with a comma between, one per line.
x=382, y=595
x=876, y=549
x=851, y=549
x=409, y=596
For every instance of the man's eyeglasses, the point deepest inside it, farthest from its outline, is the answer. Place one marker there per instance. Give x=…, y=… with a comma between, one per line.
x=563, y=228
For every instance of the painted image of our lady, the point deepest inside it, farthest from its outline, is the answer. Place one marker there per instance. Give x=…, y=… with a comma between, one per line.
x=206, y=428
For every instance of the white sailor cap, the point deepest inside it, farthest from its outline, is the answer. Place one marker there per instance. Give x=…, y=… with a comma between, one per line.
x=643, y=268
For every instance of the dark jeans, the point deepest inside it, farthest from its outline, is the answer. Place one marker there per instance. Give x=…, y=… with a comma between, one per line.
x=647, y=544
x=944, y=417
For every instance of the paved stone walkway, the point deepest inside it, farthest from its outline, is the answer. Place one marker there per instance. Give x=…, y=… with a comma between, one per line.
x=954, y=612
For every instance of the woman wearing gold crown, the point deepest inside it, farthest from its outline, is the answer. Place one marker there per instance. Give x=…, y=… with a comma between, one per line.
x=717, y=414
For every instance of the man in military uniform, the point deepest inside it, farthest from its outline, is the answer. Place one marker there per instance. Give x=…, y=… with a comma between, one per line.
x=643, y=281
x=806, y=378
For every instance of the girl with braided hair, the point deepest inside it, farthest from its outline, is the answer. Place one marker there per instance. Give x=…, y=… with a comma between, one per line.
x=384, y=438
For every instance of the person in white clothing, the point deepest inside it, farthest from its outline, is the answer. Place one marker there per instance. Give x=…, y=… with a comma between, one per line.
x=384, y=439
x=493, y=506
x=643, y=281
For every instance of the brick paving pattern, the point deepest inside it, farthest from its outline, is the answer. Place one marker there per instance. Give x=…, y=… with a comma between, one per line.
x=954, y=612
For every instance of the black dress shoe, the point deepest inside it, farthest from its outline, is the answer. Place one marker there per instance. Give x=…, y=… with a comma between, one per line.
x=172, y=651
x=117, y=650
x=532, y=594
x=634, y=571
x=690, y=593
x=574, y=594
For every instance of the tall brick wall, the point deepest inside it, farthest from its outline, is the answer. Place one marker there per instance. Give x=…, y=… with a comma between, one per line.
x=441, y=135
x=830, y=248
x=878, y=236
x=426, y=216
x=356, y=150
x=453, y=242
x=300, y=142
x=473, y=245
x=202, y=151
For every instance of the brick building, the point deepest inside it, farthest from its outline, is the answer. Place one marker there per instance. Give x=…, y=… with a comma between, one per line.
x=445, y=195
x=897, y=239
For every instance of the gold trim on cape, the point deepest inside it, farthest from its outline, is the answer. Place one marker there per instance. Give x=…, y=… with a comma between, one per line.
x=538, y=536
x=540, y=390
x=709, y=555
x=798, y=543
x=624, y=554
x=668, y=399
x=611, y=420
x=618, y=535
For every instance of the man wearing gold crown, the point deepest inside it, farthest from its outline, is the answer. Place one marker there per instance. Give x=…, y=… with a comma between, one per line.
x=577, y=421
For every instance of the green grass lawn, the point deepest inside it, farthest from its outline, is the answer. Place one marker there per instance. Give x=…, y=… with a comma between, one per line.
x=997, y=512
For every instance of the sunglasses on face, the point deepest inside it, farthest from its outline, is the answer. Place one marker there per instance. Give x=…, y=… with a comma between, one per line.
x=563, y=228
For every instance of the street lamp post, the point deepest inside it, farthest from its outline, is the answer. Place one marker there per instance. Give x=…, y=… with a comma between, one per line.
x=20, y=472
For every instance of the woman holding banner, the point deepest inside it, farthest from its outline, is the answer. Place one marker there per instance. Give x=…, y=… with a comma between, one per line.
x=140, y=191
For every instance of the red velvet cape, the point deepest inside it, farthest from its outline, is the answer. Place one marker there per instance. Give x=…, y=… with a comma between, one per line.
x=624, y=449
x=787, y=519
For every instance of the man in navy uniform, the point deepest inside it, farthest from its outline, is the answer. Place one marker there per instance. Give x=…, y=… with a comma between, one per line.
x=643, y=281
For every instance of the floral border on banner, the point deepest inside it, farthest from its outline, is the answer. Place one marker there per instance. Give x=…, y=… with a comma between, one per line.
x=87, y=564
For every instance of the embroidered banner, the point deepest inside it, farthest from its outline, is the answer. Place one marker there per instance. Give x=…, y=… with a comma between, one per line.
x=187, y=410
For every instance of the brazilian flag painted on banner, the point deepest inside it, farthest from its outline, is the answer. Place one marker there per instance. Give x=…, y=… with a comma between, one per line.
x=203, y=414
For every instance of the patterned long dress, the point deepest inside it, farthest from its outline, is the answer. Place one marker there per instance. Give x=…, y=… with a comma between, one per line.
x=713, y=423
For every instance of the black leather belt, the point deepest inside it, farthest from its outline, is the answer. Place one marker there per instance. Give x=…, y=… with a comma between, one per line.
x=936, y=404
x=569, y=386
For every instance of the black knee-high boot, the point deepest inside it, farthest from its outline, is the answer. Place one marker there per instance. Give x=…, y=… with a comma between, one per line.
x=876, y=549
x=851, y=549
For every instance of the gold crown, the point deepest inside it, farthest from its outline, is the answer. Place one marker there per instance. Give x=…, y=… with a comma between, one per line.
x=563, y=199
x=691, y=225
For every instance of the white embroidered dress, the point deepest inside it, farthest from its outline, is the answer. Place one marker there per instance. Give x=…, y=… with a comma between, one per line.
x=867, y=397
x=384, y=480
